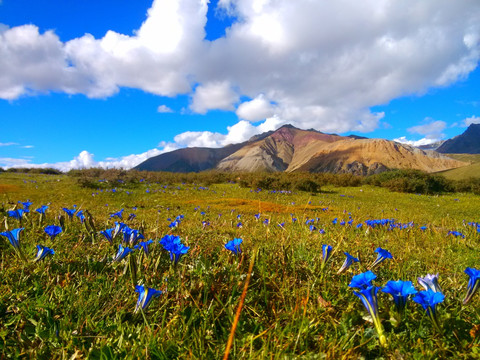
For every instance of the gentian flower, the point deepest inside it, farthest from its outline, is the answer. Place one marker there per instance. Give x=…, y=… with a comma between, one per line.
x=400, y=291
x=53, y=231
x=26, y=205
x=70, y=212
x=42, y=252
x=42, y=209
x=174, y=246
x=456, y=233
x=234, y=246
x=369, y=300
x=143, y=245
x=347, y=263
x=131, y=217
x=119, y=226
x=363, y=280
x=122, y=253
x=430, y=281
x=108, y=233
x=382, y=255
x=326, y=254
x=473, y=283
x=16, y=214
x=14, y=237
x=117, y=214
x=429, y=300
x=80, y=216
x=145, y=296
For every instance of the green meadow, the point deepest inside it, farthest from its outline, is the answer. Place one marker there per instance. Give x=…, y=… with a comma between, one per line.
x=79, y=303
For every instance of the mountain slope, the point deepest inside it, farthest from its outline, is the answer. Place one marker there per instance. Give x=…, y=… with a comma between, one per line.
x=290, y=149
x=466, y=143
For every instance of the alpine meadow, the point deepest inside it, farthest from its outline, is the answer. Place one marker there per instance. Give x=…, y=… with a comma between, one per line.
x=206, y=266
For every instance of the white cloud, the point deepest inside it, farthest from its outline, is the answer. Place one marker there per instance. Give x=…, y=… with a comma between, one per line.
x=86, y=160
x=216, y=95
x=8, y=144
x=164, y=109
x=420, y=142
x=471, y=120
x=255, y=110
x=432, y=130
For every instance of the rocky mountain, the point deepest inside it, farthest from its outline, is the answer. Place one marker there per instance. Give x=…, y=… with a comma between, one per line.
x=466, y=143
x=290, y=149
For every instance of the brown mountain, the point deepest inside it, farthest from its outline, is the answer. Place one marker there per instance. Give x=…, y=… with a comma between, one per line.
x=290, y=149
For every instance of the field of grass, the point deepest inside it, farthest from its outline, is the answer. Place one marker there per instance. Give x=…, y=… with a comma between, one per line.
x=79, y=303
x=465, y=172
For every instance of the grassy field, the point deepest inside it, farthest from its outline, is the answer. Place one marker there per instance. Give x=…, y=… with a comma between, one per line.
x=79, y=303
x=465, y=172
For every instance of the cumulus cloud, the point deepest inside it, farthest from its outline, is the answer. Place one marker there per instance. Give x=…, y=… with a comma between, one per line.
x=87, y=160
x=164, y=109
x=255, y=110
x=216, y=95
x=471, y=120
x=323, y=64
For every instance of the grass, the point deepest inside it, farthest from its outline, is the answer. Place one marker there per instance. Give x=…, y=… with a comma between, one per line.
x=80, y=304
x=464, y=172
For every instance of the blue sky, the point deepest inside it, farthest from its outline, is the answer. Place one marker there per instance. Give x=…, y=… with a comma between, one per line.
x=110, y=83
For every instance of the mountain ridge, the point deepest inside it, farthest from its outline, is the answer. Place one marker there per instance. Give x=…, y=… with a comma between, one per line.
x=291, y=149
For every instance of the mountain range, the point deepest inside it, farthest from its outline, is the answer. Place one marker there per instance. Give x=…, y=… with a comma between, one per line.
x=291, y=149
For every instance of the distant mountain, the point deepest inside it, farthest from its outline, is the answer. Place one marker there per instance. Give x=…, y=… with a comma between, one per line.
x=290, y=149
x=466, y=143
x=433, y=146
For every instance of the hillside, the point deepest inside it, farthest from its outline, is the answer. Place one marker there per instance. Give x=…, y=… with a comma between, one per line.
x=470, y=171
x=466, y=143
x=290, y=149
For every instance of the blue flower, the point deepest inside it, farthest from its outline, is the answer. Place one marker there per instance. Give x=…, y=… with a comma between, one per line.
x=70, y=212
x=80, y=216
x=430, y=282
x=16, y=214
x=382, y=255
x=53, y=230
x=145, y=296
x=14, y=237
x=368, y=296
x=42, y=209
x=117, y=214
x=456, y=233
x=234, y=246
x=143, y=245
x=429, y=300
x=347, y=263
x=26, y=205
x=400, y=291
x=119, y=226
x=42, y=252
x=122, y=253
x=108, y=233
x=131, y=236
x=473, y=283
x=174, y=246
x=326, y=254
x=363, y=280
